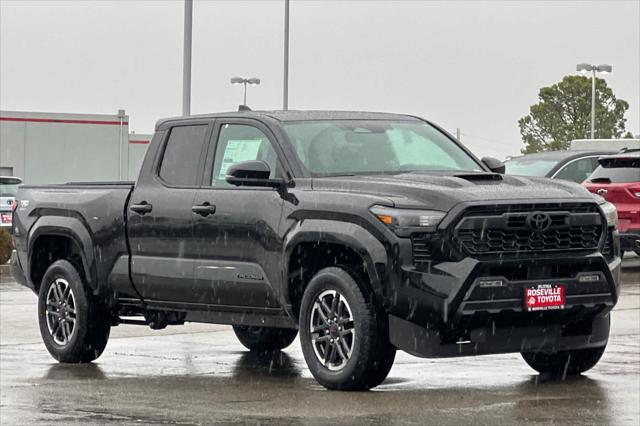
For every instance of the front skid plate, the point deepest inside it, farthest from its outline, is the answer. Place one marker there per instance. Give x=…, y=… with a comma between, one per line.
x=427, y=343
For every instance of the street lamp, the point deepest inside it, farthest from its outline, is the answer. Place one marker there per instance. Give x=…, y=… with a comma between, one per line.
x=602, y=68
x=245, y=81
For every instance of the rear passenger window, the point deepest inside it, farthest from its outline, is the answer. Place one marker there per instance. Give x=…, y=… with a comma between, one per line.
x=182, y=155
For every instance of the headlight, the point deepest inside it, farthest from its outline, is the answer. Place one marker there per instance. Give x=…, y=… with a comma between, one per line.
x=399, y=219
x=610, y=214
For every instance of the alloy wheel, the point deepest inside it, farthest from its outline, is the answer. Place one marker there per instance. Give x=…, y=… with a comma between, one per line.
x=332, y=330
x=60, y=311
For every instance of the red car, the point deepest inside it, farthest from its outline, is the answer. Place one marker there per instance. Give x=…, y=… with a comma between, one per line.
x=617, y=179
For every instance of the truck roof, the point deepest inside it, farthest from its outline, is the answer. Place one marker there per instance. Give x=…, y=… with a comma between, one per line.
x=297, y=115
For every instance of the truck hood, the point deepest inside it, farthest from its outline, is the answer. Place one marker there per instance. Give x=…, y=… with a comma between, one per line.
x=443, y=190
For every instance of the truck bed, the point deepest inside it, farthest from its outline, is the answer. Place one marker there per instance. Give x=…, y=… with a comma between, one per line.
x=92, y=213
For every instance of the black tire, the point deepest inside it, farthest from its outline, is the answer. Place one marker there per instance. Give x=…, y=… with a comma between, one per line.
x=371, y=355
x=564, y=363
x=264, y=339
x=89, y=334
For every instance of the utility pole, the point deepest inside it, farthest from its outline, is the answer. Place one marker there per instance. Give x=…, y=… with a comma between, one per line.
x=458, y=133
x=186, y=58
x=285, y=87
x=593, y=104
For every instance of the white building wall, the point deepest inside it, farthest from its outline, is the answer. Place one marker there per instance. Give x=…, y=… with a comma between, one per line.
x=138, y=144
x=56, y=148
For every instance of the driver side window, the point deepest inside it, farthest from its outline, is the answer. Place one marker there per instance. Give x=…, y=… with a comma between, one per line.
x=237, y=143
x=576, y=171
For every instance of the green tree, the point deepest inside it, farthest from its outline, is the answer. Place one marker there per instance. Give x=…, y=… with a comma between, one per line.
x=564, y=113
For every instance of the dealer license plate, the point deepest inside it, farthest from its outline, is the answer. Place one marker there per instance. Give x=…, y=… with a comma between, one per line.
x=5, y=218
x=544, y=297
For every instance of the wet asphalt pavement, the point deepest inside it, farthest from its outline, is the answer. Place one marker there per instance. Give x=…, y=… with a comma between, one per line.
x=200, y=374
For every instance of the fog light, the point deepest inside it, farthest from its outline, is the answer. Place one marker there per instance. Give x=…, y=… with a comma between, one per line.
x=491, y=283
x=589, y=278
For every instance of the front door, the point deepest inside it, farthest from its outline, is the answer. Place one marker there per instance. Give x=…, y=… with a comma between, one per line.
x=239, y=243
x=160, y=216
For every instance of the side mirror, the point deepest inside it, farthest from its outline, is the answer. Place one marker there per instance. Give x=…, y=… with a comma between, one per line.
x=494, y=164
x=251, y=173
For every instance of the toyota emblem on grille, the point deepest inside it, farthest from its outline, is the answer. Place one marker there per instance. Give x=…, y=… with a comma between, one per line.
x=538, y=221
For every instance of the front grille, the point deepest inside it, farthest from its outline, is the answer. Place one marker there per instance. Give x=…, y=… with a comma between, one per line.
x=420, y=245
x=505, y=229
x=500, y=240
x=525, y=208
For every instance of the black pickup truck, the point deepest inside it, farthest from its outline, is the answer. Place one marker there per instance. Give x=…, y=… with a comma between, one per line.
x=365, y=232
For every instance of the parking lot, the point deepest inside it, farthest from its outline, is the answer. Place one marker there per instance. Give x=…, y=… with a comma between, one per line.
x=200, y=374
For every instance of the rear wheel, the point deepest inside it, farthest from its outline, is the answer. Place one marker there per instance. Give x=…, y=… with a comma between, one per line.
x=261, y=339
x=344, y=336
x=74, y=325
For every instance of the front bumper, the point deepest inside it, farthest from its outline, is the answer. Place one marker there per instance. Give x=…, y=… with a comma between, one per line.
x=447, y=310
x=630, y=240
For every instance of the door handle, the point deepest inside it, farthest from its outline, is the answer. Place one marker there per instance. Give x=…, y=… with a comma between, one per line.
x=142, y=208
x=204, y=209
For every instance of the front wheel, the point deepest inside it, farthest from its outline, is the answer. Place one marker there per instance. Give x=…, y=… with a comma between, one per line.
x=262, y=339
x=560, y=364
x=74, y=325
x=344, y=336
x=564, y=363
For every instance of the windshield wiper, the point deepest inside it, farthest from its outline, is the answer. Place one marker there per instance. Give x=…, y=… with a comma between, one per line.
x=337, y=175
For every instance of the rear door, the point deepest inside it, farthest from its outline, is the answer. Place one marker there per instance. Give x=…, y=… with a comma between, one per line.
x=239, y=243
x=160, y=217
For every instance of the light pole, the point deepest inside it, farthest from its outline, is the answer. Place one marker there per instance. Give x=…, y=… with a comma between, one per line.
x=245, y=81
x=602, y=68
x=285, y=86
x=186, y=58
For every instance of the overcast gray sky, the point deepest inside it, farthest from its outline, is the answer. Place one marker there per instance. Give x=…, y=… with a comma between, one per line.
x=468, y=64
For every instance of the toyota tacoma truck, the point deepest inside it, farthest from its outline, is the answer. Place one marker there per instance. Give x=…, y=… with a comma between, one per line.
x=363, y=233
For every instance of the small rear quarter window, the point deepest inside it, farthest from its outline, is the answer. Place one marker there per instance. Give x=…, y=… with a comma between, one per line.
x=182, y=155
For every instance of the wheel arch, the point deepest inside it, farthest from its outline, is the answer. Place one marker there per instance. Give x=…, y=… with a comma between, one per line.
x=316, y=244
x=55, y=238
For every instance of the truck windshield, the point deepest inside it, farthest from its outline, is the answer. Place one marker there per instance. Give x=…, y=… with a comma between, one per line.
x=337, y=147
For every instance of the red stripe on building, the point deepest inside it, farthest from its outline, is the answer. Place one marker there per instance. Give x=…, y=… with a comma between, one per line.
x=55, y=120
x=142, y=142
